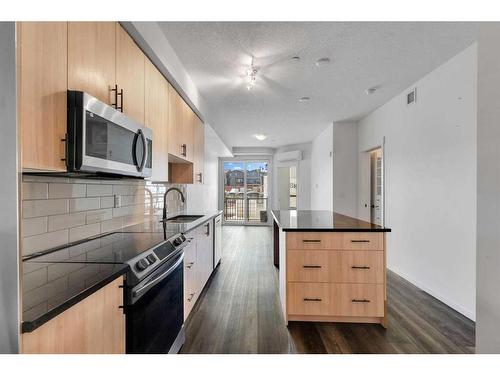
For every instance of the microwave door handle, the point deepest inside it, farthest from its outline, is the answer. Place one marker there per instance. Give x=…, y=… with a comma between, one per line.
x=140, y=166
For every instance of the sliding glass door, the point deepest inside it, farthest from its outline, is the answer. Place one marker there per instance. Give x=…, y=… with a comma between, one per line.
x=246, y=188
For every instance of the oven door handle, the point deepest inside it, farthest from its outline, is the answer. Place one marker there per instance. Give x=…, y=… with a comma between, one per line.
x=136, y=294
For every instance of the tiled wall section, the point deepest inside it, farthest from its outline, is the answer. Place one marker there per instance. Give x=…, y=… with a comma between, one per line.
x=60, y=210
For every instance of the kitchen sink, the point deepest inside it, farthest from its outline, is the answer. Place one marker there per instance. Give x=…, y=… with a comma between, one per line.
x=183, y=218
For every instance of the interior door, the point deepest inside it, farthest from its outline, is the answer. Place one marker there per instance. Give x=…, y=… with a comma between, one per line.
x=284, y=188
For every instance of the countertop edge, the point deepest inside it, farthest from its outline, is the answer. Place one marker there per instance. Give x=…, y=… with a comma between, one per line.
x=195, y=224
x=30, y=326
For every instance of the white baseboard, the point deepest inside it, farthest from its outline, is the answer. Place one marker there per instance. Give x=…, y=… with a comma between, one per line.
x=455, y=306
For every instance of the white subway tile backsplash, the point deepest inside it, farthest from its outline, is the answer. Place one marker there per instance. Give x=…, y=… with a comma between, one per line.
x=107, y=202
x=85, y=231
x=58, y=222
x=99, y=215
x=84, y=204
x=99, y=190
x=44, y=241
x=35, y=190
x=60, y=210
x=67, y=190
x=35, y=208
x=34, y=279
x=33, y=226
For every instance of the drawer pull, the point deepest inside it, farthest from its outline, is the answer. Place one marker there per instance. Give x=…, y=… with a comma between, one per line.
x=189, y=265
x=360, y=267
x=360, y=240
x=311, y=241
x=360, y=300
x=313, y=299
x=191, y=296
x=311, y=266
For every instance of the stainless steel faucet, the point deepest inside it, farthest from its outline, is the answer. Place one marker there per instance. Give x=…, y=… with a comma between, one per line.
x=165, y=201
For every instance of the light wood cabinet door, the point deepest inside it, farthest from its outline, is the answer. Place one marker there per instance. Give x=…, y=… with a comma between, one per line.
x=42, y=97
x=175, y=135
x=91, y=59
x=95, y=325
x=130, y=62
x=199, y=151
x=156, y=118
x=188, y=131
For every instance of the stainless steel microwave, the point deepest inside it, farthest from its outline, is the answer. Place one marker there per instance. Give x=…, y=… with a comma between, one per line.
x=102, y=139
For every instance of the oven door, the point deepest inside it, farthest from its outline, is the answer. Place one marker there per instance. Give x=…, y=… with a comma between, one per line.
x=155, y=311
x=105, y=140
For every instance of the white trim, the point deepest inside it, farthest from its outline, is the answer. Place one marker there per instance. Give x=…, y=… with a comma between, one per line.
x=455, y=306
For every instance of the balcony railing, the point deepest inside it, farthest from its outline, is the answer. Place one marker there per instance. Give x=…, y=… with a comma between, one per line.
x=253, y=210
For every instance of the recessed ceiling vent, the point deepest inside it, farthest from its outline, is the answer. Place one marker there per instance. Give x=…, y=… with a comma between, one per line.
x=411, y=97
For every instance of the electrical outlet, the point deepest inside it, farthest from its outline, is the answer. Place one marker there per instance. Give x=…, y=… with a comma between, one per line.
x=118, y=201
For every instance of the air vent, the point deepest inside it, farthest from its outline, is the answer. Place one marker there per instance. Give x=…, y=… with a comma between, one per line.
x=411, y=97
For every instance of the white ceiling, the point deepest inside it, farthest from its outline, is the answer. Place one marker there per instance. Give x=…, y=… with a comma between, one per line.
x=391, y=55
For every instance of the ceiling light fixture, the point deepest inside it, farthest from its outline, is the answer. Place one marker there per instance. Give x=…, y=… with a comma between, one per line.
x=260, y=137
x=251, y=75
x=371, y=90
x=322, y=62
x=295, y=58
x=304, y=99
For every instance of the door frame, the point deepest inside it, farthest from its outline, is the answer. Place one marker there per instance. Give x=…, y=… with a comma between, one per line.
x=285, y=164
x=246, y=159
x=365, y=156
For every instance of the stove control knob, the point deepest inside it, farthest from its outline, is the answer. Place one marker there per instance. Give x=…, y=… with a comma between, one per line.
x=178, y=241
x=183, y=237
x=142, y=264
x=151, y=258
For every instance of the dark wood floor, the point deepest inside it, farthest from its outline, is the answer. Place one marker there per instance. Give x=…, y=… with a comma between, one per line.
x=239, y=312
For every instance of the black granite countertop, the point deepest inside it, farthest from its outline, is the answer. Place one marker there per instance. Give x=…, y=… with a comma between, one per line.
x=51, y=288
x=57, y=279
x=322, y=221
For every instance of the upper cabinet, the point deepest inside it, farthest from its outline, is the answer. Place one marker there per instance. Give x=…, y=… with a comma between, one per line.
x=156, y=118
x=199, y=150
x=130, y=75
x=99, y=58
x=92, y=59
x=42, y=83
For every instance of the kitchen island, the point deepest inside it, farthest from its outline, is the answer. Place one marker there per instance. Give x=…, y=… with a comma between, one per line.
x=332, y=267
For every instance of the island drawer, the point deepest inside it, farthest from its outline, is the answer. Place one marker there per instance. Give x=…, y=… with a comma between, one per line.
x=362, y=241
x=335, y=299
x=366, y=267
x=335, y=240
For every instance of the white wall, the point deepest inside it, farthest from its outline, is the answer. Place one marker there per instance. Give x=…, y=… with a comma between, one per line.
x=9, y=277
x=303, y=172
x=345, y=168
x=430, y=181
x=205, y=197
x=488, y=188
x=322, y=170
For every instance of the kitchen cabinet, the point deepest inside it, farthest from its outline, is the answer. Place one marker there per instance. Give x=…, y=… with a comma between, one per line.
x=198, y=264
x=156, y=118
x=94, y=325
x=130, y=61
x=199, y=151
x=92, y=59
x=187, y=131
x=42, y=84
x=175, y=122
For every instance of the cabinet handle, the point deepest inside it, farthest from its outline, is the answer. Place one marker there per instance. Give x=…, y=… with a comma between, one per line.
x=190, y=264
x=184, y=149
x=313, y=299
x=360, y=240
x=199, y=177
x=65, y=140
x=118, y=94
x=315, y=241
x=207, y=233
x=311, y=266
x=191, y=296
x=360, y=267
x=360, y=300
